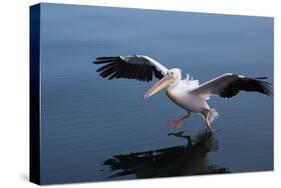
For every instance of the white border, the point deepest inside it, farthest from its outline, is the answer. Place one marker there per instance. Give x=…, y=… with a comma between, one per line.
x=14, y=90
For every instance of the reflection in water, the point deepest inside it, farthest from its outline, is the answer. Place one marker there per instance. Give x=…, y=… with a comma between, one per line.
x=189, y=159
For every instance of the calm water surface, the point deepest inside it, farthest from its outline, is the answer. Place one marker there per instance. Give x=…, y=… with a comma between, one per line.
x=96, y=130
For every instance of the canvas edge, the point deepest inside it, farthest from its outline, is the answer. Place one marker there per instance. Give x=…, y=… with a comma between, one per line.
x=34, y=94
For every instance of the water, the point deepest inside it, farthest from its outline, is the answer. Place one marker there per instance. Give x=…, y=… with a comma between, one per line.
x=93, y=129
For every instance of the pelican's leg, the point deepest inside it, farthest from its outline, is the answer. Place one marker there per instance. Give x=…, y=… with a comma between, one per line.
x=207, y=114
x=177, y=123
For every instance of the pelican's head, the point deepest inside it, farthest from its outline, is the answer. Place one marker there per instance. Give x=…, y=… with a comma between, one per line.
x=172, y=78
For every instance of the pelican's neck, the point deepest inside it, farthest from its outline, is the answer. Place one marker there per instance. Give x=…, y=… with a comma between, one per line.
x=174, y=84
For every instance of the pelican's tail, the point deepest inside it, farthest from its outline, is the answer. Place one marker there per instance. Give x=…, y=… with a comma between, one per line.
x=214, y=115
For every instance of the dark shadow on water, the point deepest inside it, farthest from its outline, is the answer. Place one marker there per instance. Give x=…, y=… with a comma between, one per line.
x=189, y=159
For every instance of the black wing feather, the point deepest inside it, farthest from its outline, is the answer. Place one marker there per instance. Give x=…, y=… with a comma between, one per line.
x=130, y=67
x=106, y=67
x=157, y=74
x=246, y=84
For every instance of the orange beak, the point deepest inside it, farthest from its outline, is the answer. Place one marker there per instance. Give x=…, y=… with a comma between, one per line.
x=163, y=83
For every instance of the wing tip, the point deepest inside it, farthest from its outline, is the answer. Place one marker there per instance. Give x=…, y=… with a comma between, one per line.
x=261, y=78
x=260, y=85
x=108, y=59
x=267, y=90
x=266, y=87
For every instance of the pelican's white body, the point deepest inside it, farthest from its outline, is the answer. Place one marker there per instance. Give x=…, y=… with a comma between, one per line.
x=180, y=94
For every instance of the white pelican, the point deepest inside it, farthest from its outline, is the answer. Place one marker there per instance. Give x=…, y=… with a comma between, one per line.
x=187, y=94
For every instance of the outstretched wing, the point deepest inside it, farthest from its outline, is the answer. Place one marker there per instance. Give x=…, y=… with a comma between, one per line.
x=139, y=67
x=229, y=85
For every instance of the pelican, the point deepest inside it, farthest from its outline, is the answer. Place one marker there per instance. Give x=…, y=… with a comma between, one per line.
x=186, y=93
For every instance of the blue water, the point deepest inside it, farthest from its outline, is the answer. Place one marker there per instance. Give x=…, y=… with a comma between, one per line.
x=88, y=122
